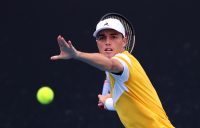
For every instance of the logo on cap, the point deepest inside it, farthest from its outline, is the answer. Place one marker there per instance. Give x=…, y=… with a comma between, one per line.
x=106, y=24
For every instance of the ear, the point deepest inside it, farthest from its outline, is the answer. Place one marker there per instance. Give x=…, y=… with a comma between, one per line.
x=125, y=41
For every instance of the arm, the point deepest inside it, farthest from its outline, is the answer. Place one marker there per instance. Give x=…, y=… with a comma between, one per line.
x=67, y=51
x=105, y=91
x=101, y=62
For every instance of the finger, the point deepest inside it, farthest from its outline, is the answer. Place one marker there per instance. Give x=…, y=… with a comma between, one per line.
x=67, y=43
x=63, y=39
x=99, y=96
x=57, y=57
x=62, y=43
x=59, y=38
x=70, y=44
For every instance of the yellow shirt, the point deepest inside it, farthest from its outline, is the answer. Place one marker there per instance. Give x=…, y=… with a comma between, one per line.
x=134, y=97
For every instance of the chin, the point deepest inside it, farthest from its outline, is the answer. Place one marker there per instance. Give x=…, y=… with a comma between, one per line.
x=109, y=55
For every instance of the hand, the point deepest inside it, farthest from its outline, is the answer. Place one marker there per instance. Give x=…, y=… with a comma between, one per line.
x=102, y=99
x=67, y=51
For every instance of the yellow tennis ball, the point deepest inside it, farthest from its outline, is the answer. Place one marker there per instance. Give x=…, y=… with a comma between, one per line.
x=45, y=95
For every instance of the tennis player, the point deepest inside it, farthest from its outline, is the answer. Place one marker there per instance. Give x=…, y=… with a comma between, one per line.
x=132, y=95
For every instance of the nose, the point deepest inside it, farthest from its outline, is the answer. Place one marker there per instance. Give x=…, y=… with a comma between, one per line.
x=107, y=42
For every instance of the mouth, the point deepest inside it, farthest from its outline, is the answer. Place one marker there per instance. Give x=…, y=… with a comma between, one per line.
x=108, y=50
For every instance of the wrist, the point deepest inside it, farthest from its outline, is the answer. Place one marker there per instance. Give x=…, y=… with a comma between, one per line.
x=76, y=55
x=109, y=104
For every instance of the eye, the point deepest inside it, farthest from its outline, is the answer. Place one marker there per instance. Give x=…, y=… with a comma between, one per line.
x=100, y=38
x=114, y=36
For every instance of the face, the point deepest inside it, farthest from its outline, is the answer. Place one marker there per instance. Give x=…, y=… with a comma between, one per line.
x=110, y=42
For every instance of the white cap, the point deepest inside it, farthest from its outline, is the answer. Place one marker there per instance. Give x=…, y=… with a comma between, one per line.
x=110, y=24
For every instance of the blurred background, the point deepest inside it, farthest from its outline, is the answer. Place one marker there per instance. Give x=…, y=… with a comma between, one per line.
x=167, y=45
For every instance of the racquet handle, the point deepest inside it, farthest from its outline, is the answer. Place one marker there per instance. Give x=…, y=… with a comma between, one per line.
x=106, y=87
x=101, y=105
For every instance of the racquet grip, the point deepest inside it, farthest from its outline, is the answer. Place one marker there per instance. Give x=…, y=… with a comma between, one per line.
x=106, y=87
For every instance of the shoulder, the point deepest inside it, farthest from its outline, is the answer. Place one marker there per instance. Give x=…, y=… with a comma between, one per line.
x=124, y=56
x=125, y=60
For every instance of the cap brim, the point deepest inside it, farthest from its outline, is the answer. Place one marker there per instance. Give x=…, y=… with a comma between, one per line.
x=97, y=31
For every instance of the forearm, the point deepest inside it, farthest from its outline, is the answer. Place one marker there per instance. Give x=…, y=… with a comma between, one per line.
x=96, y=60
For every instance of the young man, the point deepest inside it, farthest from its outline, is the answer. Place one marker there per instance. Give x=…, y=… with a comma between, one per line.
x=131, y=92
